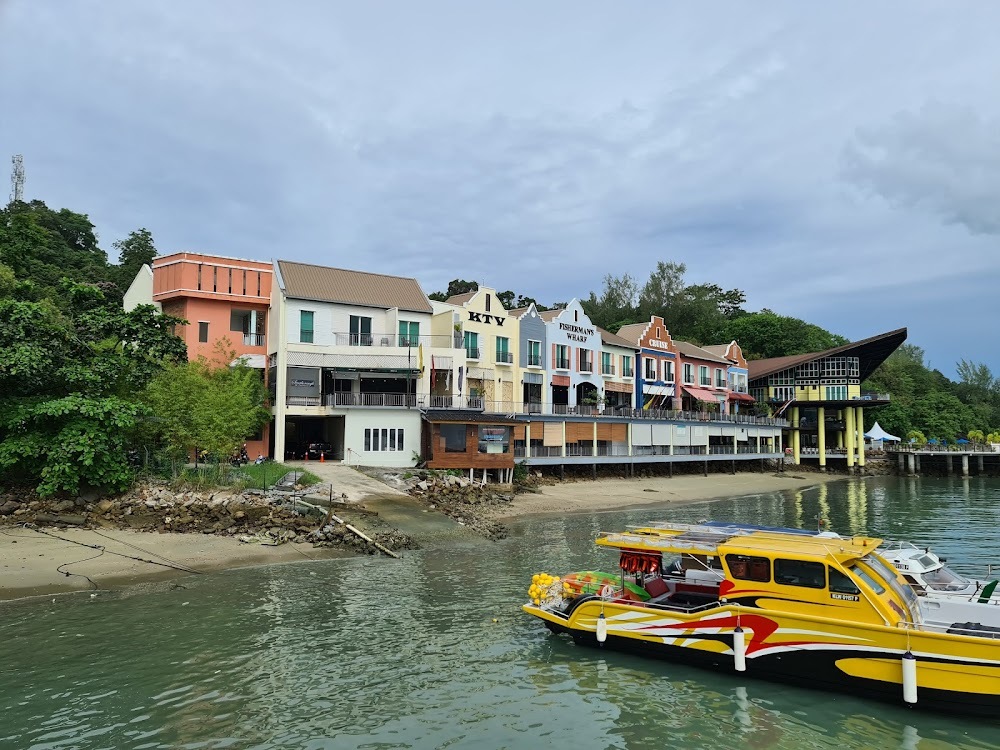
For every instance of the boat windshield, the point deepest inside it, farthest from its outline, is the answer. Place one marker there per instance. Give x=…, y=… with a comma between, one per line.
x=946, y=579
x=888, y=576
x=926, y=561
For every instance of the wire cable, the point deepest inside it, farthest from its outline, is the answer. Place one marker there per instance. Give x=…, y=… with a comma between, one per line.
x=175, y=566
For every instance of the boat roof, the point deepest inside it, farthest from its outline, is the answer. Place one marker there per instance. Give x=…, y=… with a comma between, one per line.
x=698, y=539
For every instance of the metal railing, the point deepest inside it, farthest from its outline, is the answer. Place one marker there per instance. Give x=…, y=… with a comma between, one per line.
x=607, y=370
x=562, y=364
x=534, y=360
x=472, y=352
x=253, y=339
x=440, y=341
x=505, y=358
x=384, y=400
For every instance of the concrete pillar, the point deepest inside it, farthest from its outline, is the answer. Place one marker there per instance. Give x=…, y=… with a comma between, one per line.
x=910, y=464
x=840, y=433
x=899, y=461
x=795, y=435
x=916, y=460
x=849, y=437
x=562, y=450
x=860, y=420
x=628, y=437
x=981, y=465
x=527, y=439
x=948, y=468
x=593, y=450
x=821, y=427
x=965, y=464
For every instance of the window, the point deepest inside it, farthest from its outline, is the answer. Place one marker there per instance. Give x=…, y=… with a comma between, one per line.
x=841, y=583
x=487, y=303
x=720, y=377
x=586, y=361
x=199, y=276
x=534, y=353
x=607, y=364
x=703, y=377
x=836, y=393
x=562, y=357
x=738, y=382
x=626, y=367
x=493, y=439
x=383, y=440
x=215, y=278
x=203, y=332
x=748, y=568
x=409, y=333
x=306, y=326
x=472, y=345
x=865, y=576
x=453, y=436
x=668, y=371
x=230, y=281
x=503, y=350
x=811, y=575
x=688, y=373
x=361, y=331
x=649, y=369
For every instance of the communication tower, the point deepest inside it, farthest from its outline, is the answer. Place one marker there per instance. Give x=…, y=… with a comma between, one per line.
x=17, y=178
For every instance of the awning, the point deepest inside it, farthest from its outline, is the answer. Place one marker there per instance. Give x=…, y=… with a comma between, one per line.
x=701, y=394
x=741, y=397
x=657, y=390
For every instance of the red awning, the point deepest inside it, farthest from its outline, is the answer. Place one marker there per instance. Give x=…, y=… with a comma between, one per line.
x=701, y=394
x=741, y=397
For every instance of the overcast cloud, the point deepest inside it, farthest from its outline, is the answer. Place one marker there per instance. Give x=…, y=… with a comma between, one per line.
x=838, y=163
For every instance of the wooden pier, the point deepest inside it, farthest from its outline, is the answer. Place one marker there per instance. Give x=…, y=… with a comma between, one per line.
x=945, y=462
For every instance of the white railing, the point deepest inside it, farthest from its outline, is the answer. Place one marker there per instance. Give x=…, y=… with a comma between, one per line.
x=374, y=400
x=441, y=341
x=253, y=339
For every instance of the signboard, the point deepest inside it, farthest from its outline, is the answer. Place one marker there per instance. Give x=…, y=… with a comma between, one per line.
x=303, y=381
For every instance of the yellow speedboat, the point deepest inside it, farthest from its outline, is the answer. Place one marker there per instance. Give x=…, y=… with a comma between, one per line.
x=816, y=611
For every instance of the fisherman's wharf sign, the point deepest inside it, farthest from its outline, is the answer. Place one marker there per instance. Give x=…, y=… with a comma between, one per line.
x=575, y=332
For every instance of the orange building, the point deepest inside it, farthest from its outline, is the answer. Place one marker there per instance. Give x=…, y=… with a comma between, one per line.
x=221, y=298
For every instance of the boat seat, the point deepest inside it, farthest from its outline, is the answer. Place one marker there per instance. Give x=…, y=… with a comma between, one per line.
x=657, y=590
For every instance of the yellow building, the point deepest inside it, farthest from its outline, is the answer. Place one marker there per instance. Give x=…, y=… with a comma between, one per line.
x=491, y=343
x=820, y=394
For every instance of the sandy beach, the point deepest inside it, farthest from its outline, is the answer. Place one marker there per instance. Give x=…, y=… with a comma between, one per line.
x=617, y=494
x=30, y=561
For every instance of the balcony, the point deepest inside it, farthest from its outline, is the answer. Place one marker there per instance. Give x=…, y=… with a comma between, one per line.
x=472, y=352
x=562, y=364
x=608, y=370
x=440, y=341
x=372, y=400
x=505, y=358
x=253, y=339
x=627, y=372
x=534, y=360
x=586, y=365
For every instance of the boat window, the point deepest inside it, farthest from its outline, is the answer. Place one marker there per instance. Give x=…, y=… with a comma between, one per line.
x=946, y=579
x=863, y=574
x=890, y=577
x=841, y=583
x=811, y=575
x=926, y=561
x=749, y=568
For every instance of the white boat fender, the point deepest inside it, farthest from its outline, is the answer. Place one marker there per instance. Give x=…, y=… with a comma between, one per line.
x=739, y=650
x=602, y=628
x=909, y=678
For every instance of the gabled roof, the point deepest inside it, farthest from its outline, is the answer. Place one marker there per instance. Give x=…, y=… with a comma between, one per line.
x=609, y=338
x=696, y=352
x=719, y=350
x=633, y=332
x=549, y=315
x=324, y=284
x=871, y=352
x=461, y=299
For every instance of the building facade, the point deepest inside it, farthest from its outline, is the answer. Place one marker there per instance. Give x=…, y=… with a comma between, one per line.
x=656, y=365
x=574, y=345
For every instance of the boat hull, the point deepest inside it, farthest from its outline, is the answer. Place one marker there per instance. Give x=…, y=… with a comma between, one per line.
x=864, y=662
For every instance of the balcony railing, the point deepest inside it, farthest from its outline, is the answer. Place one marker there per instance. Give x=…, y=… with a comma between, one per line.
x=586, y=366
x=472, y=352
x=253, y=339
x=562, y=364
x=384, y=400
x=505, y=358
x=608, y=370
x=440, y=341
x=534, y=360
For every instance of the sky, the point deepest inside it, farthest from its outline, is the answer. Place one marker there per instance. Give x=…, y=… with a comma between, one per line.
x=837, y=162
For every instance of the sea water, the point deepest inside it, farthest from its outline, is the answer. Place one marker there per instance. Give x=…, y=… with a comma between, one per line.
x=432, y=651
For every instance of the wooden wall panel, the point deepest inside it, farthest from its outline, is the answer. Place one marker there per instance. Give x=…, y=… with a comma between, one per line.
x=579, y=431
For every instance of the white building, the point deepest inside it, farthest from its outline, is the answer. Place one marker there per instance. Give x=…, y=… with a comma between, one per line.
x=574, y=347
x=349, y=359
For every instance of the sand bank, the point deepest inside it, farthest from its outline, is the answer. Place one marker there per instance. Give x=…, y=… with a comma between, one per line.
x=29, y=560
x=618, y=494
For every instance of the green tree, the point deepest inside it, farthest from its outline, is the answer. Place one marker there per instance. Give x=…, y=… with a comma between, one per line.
x=765, y=334
x=617, y=305
x=455, y=287
x=205, y=405
x=134, y=252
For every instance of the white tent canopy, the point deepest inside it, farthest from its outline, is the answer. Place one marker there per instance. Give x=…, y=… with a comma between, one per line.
x=877, y=433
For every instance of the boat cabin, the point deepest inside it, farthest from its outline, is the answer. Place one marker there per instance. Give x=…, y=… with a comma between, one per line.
x=684, y=567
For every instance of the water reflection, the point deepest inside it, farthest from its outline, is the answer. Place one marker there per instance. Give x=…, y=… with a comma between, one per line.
x=432, y=651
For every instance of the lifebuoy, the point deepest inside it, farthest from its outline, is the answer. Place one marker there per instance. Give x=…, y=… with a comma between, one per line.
x=606, y=591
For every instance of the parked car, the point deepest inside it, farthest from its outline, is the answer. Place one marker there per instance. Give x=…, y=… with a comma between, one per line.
x=316, y=450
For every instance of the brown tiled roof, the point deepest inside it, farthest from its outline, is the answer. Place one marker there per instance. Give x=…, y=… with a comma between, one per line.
x=549, y=315
x=690, y=350
x=717, y=349
x=609, y=338
x=632, y=332
x=871, y=352
x=461, y=299
x=517, y=312
x=306, y=281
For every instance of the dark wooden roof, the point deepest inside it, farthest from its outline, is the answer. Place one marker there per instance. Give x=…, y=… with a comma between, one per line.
x=871, y=352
